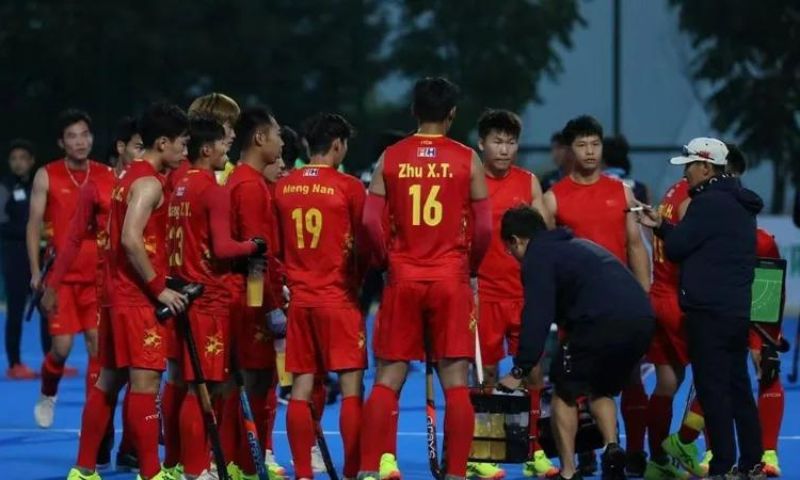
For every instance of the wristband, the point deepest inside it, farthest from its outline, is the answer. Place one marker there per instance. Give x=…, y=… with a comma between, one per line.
x=157, y=285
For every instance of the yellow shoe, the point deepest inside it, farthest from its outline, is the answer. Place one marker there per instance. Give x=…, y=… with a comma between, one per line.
x=76, y=474
x=482, y=470
x=389, y=469
x=539, y=466
x=274, y=470
x=173, y=473
x=770, y=461
x=685, y=454
x=707, y=457
x=162, y=475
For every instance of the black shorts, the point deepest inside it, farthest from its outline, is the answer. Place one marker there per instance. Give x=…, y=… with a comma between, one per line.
x=597, y=359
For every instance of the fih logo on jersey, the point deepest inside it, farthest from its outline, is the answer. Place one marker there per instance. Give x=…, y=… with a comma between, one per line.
x=311, y=172
x=426, y=152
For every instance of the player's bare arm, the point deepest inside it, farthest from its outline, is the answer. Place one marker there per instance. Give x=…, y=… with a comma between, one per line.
x=551, y=205
x=638, y=258
x=145, y=196
x=477, y=180
x=377, y=186
x=482, y=213
x=538, y=202
x=33, y=231
x=373, y=212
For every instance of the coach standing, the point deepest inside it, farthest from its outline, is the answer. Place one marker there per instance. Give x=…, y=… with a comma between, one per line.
x=715, y=246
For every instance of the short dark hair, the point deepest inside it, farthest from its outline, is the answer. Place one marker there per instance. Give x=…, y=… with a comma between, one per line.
x=582, y=126
x=162, y=119
x=70, y=117
x=615, y=152
x=322, y=129
x=502, y=121
x=557, y=138
x=737, y=162
x=292, y=145
x=202, y=131
x=250, y=120
x=434, y=98
x=22, y=144
x=523, y=221
x=125, y=130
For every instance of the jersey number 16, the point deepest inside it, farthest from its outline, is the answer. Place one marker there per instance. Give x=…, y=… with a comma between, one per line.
x=430, y=211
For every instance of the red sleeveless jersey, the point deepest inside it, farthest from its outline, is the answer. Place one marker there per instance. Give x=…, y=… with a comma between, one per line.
x=595, y=212
x=318, y=212
x=666, y=273
x=765, y=245
x=189, y=248
x=428, y=198
x=62, y=201
x=126, y=287
x=499, y=275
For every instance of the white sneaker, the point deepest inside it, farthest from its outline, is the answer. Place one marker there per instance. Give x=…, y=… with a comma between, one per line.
x=317, y=463
x=43, y=412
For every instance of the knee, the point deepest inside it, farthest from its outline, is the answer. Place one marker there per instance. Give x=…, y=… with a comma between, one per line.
x=351, y=383
x=302, y=386
x=145, y=381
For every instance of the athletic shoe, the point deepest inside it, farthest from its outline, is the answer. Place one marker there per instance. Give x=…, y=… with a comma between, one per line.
x=317, y=462
x=770, y=461
x=485, y=470
x=127, y=462
x=539, y=466
x=685, y=454
x=163, y=476
x=21, y=371
x=174, y=473
x=635, y=464
x=613, y=462
x=234, y=472
x=587, y=463
x=274, y=469
x=663, y=471
x=76, y=474
x=757, y=473
x=704, y=463
x=389, y=469
x=43, y=412
x=575, y=476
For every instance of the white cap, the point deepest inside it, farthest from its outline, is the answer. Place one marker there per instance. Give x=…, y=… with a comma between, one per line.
x=703, y=149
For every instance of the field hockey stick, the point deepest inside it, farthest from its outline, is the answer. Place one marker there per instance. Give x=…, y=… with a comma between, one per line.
x=795, y=354
x=36, y=297
x=430, y=416
x=249, y=424
x=316, y=417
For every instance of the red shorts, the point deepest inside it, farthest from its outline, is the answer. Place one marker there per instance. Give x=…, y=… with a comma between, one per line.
x=211, y=332
x=669, y=345
x=322, y=339
x=409, y=308
x=76, y=310
x=498, y=323
x=140, y=341
x=755, y=340
x=253, y=342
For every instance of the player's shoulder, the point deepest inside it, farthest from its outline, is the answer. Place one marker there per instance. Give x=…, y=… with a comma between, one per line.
x=562, y=186
x=522, y=173
x=58, y=164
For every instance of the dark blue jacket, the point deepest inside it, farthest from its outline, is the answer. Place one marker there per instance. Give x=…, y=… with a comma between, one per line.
x=15, y=200
x=575, y=282
x=715, y=245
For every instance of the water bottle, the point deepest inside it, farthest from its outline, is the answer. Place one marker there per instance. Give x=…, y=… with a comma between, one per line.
x=255, y=281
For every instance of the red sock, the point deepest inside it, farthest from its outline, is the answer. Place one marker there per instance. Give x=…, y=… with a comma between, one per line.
x=459, y=426
x=391, y=441
x=96, y=416
x=244, y=458
x=194, y=447
x=659, y=417
x=770, y=413
x=229, y=425
x=350, y=427
x=318, y=396
x=271, y=408
x=378, y=419
x=52, y=371
x=693, y=424
x=171, y=399
x=143, y=423
x=125, y=445
x=634, y=414
x=301, y=437
x=536, y=413
x=92, y=373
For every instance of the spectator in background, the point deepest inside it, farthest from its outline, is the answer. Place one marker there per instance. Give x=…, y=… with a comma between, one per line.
x=618, y=165
x=558, y=152
x=15, y=194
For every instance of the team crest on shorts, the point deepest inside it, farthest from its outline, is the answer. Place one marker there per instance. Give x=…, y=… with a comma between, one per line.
x=151, y=338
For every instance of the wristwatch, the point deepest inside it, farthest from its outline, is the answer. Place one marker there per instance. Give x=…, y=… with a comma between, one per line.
x=517, y=373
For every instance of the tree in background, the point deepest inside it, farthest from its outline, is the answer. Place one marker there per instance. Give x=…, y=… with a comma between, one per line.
x=496, y=52
x=749, y=54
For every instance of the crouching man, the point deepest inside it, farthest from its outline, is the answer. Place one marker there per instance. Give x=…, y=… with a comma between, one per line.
x=605, y=326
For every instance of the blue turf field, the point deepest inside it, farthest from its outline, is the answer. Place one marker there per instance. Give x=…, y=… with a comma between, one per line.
x=33, y=454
